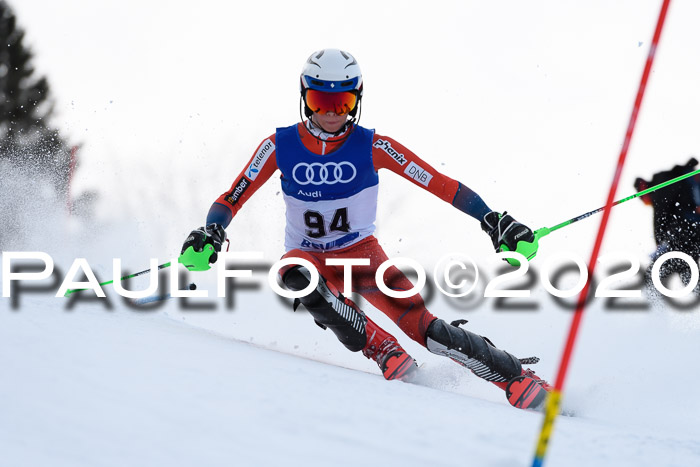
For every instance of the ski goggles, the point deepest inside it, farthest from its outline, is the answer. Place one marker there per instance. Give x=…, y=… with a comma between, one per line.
x=339, y=103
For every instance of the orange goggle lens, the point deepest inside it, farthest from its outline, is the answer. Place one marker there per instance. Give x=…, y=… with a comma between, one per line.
x=339, y=103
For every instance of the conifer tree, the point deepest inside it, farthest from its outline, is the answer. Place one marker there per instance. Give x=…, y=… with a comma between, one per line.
x=26, y=138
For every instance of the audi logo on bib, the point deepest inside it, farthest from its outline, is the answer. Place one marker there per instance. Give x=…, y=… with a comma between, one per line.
x=329, y=173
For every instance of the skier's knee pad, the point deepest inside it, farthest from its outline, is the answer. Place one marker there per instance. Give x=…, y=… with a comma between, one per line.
x=328, y=310
x=473, y=351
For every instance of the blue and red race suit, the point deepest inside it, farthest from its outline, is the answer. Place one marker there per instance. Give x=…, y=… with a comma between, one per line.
x=330, y=188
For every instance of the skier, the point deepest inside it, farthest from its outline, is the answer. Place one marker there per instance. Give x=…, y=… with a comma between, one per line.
x=676, y=218
x=329, y=166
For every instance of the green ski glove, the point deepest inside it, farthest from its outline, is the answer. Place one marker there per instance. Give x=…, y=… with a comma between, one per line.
x=201, y=247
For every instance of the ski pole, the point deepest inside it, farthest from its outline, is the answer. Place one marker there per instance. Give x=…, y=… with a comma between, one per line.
x=140, y=273
x=529, y=249
x=158, y=297
x=547, y=230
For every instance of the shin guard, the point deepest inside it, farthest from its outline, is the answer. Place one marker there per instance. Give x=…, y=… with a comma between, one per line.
x=329, y=310
x=472, y=351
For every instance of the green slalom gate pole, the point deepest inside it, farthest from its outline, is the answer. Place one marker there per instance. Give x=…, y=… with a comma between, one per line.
x=136, y=274
x=529, y=249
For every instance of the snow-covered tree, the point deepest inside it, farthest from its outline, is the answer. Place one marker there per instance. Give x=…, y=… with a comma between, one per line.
x=27, y=140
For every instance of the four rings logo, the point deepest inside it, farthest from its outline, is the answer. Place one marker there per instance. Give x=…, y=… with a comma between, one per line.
x=329, y=173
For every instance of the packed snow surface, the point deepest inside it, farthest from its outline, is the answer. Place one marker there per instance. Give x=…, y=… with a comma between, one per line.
x=256, y=384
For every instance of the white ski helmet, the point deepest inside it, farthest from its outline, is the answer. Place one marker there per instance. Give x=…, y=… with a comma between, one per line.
x=331, y=70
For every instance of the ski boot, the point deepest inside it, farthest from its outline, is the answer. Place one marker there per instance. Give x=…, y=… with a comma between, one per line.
x=393, y=361
x=527, y=391
x=331, y=310
x=477, y=353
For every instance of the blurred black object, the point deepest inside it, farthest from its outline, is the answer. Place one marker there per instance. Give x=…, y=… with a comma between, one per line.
x=676, y=216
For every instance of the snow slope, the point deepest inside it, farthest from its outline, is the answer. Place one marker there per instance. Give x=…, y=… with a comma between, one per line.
x=94, y=386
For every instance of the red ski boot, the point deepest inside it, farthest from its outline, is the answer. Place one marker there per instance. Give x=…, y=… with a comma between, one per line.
x=393, y=360
x=527, y=391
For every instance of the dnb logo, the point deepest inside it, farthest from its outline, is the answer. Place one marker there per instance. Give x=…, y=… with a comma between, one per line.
x=418, y=173
x=329, y=173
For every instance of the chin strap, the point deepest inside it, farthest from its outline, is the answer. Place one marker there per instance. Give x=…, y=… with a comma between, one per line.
x=325, y=137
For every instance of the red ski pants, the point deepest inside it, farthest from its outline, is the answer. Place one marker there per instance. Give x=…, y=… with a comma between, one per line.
x=410, y=314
